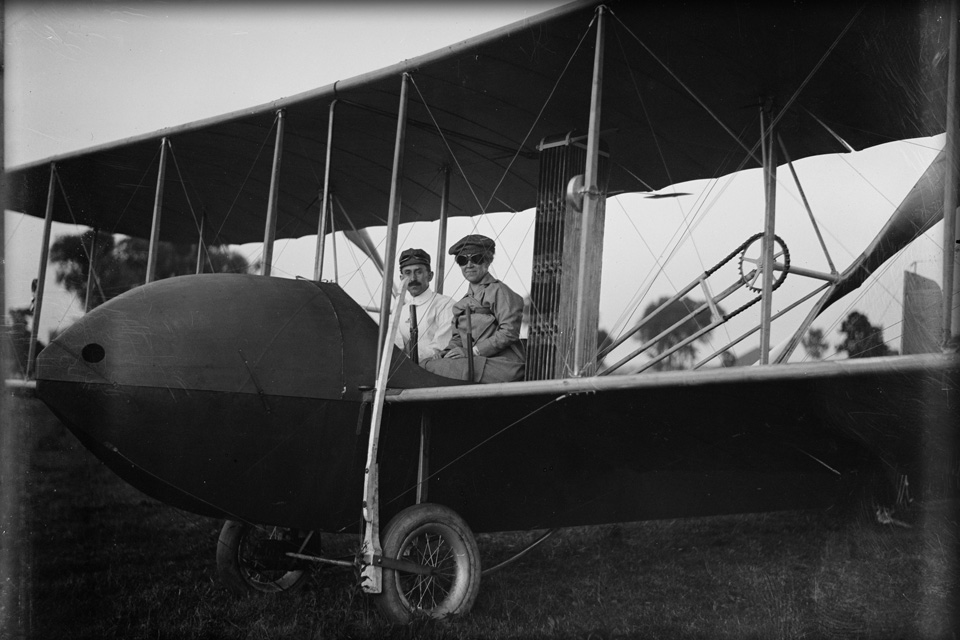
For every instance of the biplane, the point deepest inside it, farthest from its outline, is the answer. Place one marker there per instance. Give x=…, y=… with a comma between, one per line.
x=282, y=407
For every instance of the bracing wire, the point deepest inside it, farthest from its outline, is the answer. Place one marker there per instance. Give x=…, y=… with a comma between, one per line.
x=86, y=250
x=245, y=178
x=485, y=441
x=751, y=151
x=201, y=241
x=506, y=172
x=542, y=109
x=136, y=189
x=461, y=170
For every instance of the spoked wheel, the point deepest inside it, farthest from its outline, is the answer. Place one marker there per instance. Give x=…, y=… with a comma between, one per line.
x=435, y=537
x=251, y=559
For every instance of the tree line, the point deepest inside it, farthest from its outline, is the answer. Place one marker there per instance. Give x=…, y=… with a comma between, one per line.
x=120, y=264
x=861, y=339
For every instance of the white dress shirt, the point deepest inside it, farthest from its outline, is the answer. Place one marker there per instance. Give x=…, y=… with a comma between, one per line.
x=434, y=323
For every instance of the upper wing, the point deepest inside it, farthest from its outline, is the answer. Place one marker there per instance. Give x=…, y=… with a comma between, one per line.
x=683, y=85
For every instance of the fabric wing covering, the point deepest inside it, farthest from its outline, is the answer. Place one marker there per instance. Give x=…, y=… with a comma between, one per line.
x=683, y=84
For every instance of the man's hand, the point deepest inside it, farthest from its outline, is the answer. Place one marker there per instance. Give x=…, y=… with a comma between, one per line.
x=455, y=352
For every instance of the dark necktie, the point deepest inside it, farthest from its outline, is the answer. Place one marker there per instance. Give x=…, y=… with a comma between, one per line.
x=414, y=334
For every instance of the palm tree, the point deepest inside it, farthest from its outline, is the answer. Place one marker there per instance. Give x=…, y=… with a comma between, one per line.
x=666, y=318
x=814, y=344
x=862, y=339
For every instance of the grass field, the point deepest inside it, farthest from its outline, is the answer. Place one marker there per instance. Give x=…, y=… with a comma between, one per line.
x=107, y=562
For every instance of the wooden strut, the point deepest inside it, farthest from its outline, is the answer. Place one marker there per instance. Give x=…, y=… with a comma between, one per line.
x=393, y=215
x=333, y=246
x=201, y=247
x=442, y=231
x=324, y=199
x=91, y=264
x=42, y=271
x=806, y=206
x=785, y=353
x=270, y=227
x=770, y=184
x=951, y=212
x=157, y=209
x=371, y=578
x=423, y=457
x=581, y=364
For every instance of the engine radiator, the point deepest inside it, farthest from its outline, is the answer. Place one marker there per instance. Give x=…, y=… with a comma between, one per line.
x=556, y=249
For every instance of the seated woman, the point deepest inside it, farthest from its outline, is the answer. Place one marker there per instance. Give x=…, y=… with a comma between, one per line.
x=495, y=316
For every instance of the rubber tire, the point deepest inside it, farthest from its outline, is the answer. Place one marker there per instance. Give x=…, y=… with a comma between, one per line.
x=237, y=571
x=459, y=590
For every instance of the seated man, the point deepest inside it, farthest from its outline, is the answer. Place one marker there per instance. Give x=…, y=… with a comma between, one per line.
x=495, y=316
x=426, y=312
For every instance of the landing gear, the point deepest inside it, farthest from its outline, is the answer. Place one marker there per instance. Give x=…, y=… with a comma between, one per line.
x=439, y=540
x=251, y=559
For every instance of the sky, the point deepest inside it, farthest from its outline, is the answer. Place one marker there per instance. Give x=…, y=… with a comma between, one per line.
x=82, y=74
x=79, y=74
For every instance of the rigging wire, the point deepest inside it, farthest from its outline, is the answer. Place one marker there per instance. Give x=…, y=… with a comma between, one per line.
x=543, y=108
x=697, y=218
x=751, y=151
x=696, y=98
x=245, y=178
x=520, y=147
x=373, y=296
x=13, y=232
x=877, y=281
x=659, y=149
x=86, y=250
x=443, y=137
x=201, y=242
x=137, y=188
x=497, y=434
x=291, y=134
x=672, y=247
x=680, y=234
x=646, y=113
x=497, y=233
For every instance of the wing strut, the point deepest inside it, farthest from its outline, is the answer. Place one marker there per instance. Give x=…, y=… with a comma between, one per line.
x=42, y=272
x=270, y=228
x=770, y=188
x=393, y=216
x=324, y=205
x=951, y=241
x=442, y=231
x=202, y=253
x=333, y=246
x=90, y=268
x=584, y=364
x=157, y=209
x=370, y=574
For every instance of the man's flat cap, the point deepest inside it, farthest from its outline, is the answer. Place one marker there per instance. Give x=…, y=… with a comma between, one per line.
x=414, y=256
x=474, y=243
